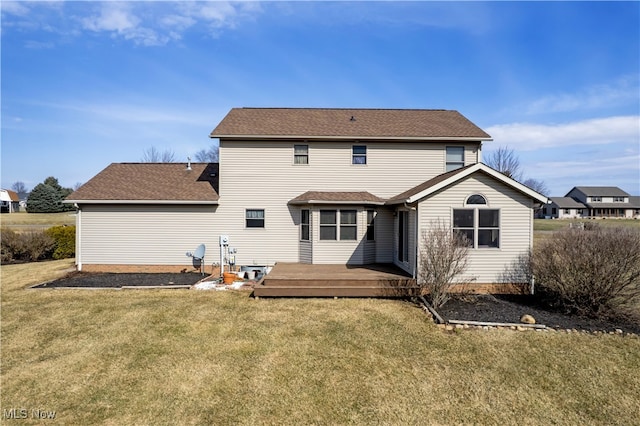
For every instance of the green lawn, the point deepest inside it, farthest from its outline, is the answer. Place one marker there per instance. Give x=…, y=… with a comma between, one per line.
x=202, y=357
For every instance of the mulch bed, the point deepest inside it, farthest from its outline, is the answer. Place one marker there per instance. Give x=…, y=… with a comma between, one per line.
x=485, y=308
x=112, y=280
x=509, y=309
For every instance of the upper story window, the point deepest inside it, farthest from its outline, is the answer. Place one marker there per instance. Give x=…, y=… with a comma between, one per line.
x=618, y=199
x=455, y=158
x=359, y=154
x=301, y=154
x=254, y=218
x=596, y=199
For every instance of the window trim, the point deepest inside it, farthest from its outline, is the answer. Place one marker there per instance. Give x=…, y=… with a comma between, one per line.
x=246, y=219
x=304, y=224
x=352, y=226
x=333, y=225
x=448, y=163
x=301, y=154
x=476, y=228
x=355, y=155
x=338, y=225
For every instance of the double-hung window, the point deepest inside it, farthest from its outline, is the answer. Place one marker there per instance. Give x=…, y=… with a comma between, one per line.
x=348, y=225
x=328, y=225
x=301, y=154
x=338, y=225
x=359, y=154
x=254, y=218
x=455, y=158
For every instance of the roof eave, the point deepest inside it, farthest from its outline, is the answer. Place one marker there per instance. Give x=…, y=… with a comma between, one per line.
x=375, y=138
x=476, y=167
x=309, y=202
x=178, y=202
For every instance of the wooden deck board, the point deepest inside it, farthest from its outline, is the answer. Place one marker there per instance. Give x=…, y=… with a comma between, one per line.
x=304, y=280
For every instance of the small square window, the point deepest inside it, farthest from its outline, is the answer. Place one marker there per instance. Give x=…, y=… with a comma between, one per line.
x=359, y=154
x=254, y=218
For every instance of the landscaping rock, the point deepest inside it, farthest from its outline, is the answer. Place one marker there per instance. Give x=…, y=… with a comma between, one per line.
x=527, y=319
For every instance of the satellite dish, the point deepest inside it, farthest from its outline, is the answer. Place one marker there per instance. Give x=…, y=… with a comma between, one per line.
x=199, y=253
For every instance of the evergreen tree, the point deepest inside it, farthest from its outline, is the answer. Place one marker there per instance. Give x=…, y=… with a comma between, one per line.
x=47, y=197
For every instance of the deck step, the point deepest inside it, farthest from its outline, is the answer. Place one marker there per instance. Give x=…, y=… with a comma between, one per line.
x=331, y=291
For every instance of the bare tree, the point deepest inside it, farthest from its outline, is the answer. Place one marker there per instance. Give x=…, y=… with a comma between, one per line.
x=443, y=259
x=77, y=186
x=537, y=185
x=153, y=155
x=505, y=161
x=207, y=155
x=21, y=189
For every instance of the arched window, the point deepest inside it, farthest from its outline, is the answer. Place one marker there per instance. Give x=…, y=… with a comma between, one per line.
x=481, y=225
x=476, y=199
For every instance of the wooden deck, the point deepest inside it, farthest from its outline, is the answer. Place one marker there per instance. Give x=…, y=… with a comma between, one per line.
x=303, y=280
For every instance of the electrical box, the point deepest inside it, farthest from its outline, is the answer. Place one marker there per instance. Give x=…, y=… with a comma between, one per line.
x=224, y=240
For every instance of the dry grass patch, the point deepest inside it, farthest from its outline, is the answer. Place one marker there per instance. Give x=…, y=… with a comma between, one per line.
x=197, y=357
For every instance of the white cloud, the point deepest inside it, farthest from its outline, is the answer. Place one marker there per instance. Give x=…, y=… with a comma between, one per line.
x=14, y=8
x=146, y=23
x=530, y=137
x=113, y=17
x=621, y=92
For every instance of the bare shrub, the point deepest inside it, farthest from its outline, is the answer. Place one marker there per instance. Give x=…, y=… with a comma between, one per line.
x=26, y=247
x=593, y=272
x=443, y=258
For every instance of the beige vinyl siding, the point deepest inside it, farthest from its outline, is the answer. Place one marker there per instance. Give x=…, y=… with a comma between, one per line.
x=306, y=252
x=516, y=222
x=262, y=175
x=339, y=251
x=146, y=235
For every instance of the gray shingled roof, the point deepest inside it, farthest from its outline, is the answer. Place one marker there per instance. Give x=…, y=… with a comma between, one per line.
x=361, y=197
x=347, y=123
x=604, y=191
x=567, y=203
x=149, y=182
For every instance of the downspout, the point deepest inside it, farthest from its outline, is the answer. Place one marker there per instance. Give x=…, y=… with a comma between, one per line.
x=415, y=241
x=416, y=245
x=79, y=238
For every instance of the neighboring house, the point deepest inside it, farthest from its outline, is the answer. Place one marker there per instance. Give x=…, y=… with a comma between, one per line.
x=563, y=208
x=9, y=201
x=594, y=202
x=318, y=186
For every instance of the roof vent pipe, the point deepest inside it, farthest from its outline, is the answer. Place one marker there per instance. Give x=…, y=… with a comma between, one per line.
x=188, y=163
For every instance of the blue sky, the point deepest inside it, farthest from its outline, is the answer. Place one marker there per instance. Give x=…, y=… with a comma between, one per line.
x=85, y=84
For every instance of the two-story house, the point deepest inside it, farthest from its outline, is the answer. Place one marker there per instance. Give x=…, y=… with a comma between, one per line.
x=594, y=202
x=315, y=186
